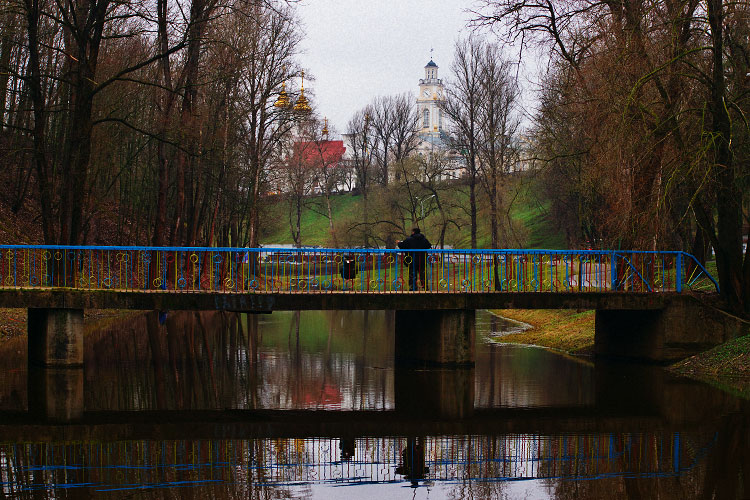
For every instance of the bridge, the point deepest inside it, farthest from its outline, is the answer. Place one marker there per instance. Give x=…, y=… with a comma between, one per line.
x=646, y=302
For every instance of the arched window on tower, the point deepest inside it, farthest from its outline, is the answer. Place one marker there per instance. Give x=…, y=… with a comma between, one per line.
x=426, y=118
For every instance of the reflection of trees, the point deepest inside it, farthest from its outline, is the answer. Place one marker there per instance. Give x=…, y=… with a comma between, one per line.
x=12, y=374
x=728, y=475
x=227, y=360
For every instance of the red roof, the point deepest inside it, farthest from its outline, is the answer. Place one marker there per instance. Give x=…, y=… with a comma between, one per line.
x=319, y=153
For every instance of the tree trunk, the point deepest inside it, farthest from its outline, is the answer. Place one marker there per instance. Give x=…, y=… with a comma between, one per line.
x=5, y=47
x=41, y=162
x=160, y=226
x=331, y=230
x=473, y=204
x=729, y=208
x=187, y=117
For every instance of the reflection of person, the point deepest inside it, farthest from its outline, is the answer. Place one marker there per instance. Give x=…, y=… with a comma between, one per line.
x=416, y=263
x=347, y=447
x=412, y=461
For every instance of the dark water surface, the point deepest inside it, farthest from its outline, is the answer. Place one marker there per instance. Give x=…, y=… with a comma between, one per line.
x=310, y=405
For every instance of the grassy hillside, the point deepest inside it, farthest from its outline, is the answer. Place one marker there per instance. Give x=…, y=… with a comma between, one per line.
x=530, y=226
x=276, y=227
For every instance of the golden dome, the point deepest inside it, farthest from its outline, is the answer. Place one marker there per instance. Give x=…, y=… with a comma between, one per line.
x=302, y=106
x=325, y=127
x=283, y=100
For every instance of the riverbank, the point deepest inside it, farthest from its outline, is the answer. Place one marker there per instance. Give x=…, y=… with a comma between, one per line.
x=566, y=329
x=13, y=321
x=726, y=366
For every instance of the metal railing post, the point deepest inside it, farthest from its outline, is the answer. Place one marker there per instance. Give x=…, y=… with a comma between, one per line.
x=678, y=272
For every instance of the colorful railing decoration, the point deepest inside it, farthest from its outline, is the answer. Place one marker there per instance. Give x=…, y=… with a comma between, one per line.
x=319, y=270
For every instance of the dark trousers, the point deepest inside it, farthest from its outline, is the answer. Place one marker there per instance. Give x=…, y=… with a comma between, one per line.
x=416, y=271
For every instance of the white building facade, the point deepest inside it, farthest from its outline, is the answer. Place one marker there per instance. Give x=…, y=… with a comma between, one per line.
x=433, y=126
x=429, y=105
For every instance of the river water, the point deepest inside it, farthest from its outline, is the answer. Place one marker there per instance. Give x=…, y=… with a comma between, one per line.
x=310, y=405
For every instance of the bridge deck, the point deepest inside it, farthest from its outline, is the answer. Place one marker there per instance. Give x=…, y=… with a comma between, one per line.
x=291, y=301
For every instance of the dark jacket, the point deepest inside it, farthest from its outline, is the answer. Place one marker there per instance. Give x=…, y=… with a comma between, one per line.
x=416, y=242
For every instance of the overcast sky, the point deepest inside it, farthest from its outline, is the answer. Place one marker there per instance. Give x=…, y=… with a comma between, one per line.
x=360, y=49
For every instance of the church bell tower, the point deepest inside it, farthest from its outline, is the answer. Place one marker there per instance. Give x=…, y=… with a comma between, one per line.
x=429, y=101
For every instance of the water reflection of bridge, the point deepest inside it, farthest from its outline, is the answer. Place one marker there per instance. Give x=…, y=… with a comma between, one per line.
x=144, y=464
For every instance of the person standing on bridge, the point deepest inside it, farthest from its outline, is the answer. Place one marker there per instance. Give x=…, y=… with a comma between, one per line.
x=415, y=261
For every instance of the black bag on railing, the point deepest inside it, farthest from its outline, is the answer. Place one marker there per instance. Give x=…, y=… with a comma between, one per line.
x=348, y=267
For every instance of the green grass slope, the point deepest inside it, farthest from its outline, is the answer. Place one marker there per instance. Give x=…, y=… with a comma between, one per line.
x=530, y=225
x=726, y=366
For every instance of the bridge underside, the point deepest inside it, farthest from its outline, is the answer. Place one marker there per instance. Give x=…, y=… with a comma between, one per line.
x=340, y=301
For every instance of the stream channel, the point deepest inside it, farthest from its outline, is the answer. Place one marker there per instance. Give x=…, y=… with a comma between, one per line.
x=310, y=405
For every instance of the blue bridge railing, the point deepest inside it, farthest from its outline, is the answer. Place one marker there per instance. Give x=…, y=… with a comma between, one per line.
x=324, y=270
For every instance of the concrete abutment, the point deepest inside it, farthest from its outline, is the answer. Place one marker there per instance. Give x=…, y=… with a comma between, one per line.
x=685, y=326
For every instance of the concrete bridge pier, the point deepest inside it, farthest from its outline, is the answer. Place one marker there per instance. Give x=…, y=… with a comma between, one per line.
x=55, y=337
x=56, y=394
x=435, y=338
x=442, y=392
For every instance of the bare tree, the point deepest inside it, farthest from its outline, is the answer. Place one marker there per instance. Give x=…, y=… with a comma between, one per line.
x=394, y=129
x=382, y=125
x=405, y=128
x=394, y=121
x=497, y=132
x=655, y=89
x=429, y=183
x=267, y=65
x=298, y=173
x=463, y=107
x=362, y=142
x=74, y=33
x=328, y=174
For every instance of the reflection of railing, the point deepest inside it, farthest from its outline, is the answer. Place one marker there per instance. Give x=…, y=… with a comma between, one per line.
x=357, y=270
x=263, y=463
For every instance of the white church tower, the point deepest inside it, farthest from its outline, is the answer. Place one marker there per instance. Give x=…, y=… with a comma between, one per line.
x=430, y=97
